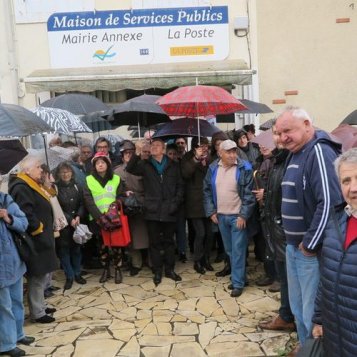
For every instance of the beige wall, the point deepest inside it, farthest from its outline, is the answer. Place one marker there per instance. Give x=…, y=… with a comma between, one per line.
x=301, y=47
x=33, y=52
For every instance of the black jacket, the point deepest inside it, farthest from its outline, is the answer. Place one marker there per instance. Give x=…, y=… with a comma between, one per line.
x=336, y=303
x=38, y=212
x=70, y=197
x=193, y=173
x=271, y=211
x=163, y=193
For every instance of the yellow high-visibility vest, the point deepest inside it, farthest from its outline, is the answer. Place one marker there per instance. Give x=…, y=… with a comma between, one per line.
x=103, y=196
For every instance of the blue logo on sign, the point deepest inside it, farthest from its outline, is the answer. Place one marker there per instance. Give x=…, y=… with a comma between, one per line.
x=102, y=55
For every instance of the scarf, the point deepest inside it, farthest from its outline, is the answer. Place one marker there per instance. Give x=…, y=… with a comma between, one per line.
x=351, y=211
x=159, y=166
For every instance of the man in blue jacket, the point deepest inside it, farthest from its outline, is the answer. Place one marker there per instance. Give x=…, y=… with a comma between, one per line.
x=309, y=188
x=229, y=202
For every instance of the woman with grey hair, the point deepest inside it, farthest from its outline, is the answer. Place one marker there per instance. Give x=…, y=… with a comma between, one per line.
x=34, y=201
x=336, y=305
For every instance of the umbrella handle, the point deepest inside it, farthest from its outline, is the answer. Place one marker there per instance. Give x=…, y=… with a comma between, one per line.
x=46, y=154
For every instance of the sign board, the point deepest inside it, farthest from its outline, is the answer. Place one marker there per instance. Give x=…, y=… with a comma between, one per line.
x=123, y=37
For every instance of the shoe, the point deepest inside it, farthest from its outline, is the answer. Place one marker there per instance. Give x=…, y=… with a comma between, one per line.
x=264, y=281
x=225, y=271
x=45, y=319
x=105, y=275
x=50, y=310
x=118, y=277
x=27, y=340
x=15, y=352
x=236, y=292
x=294, y=352
x=182, y=258
x=207, y=265
x=80, y=280
x=134, y=271
x=157, y=278
x=172, y=275
x=68, y=284
x=275, y=287
x=277, y=324
x=48, y=293
x=199, y=268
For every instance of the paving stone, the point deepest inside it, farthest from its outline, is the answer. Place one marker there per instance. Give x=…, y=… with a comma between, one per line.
x=178, y=318
x=202, y=291
x=261, y=336
x=73, y=325
x=156, y=351
x=262, y=305
x=185, y=328
x=230, y=306
x=140, y=324
x=102, y=348
x=186, y=349
x=150, y=329
x=62, y=313
x=32, y=350
x=164, y=328
x=144, y=314
x=128, y=314
x=207, y=332
x=234, y=349
x=274, y=346
x=194, y=316
x=120, y=325
x=124, y=334
x=232, y=337
x=188, y=305
x=96, y=333
x=63, y=351
x=96, y=313
x=60, y=338
x=207, y=305
x=164, y=340
x=162, y=315
x=131, y=349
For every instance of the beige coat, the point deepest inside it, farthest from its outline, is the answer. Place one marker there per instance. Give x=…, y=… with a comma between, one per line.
x=137, y=224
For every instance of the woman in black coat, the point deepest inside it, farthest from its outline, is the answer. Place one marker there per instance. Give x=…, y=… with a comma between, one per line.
x=34, y=201
x=70, y=198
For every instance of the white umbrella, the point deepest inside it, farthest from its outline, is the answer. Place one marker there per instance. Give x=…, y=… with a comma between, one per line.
x=61, y=120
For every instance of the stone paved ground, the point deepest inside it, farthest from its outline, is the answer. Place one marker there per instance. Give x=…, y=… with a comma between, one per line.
x=195, y=317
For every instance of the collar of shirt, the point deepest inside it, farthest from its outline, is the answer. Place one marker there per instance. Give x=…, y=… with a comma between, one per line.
x=351, y=211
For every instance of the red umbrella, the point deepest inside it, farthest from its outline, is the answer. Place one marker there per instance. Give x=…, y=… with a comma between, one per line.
x=196, y=101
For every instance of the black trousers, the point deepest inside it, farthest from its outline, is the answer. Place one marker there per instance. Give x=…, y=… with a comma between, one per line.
x=203, y=238
x=161, y=245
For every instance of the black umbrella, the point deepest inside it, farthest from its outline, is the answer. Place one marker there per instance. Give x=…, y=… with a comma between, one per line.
x=351, y=119
x=11, y=153
x=75, y=103
x=96, y=122
x=268, y=124
x=140, y=111
x=18, y=121
x=253, y=108
x=186, y=127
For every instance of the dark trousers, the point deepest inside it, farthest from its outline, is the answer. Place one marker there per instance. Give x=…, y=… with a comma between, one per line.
x=284, y=311
x=161, y=245
x=203, y=238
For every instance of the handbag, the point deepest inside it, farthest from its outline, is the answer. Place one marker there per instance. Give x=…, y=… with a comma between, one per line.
x=119, y=237
x=313, y=347
x=82, y=234
x=24, y=245
x=111, y=221
x=59, y=219
x=132, y=206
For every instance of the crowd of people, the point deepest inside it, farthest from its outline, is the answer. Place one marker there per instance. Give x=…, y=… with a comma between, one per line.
x=297, y=203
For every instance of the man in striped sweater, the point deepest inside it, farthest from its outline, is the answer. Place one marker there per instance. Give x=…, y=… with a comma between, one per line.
x=309, y=188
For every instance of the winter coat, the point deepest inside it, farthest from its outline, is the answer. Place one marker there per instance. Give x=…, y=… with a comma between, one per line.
x=249, y=153
x=34, y=202
x=271, y=210
x=79, y=174
x=193, y=173
x=163, y=193
x=137, y=224
x=11, y=266
x=70, y=197
x=336, y=302
x=244, y=188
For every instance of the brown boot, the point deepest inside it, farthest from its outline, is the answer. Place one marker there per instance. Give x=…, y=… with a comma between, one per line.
x=277, y=324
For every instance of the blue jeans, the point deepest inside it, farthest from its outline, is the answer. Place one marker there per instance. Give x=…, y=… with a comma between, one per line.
x=70, y=258
x=11, y=315
x=303, y=280
x=235, y=243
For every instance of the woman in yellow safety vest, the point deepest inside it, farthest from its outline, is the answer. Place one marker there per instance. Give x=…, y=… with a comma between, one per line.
x=102, y=188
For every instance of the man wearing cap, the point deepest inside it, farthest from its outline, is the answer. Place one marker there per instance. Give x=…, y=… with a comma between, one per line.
x=229, y=202
x=163, y=194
